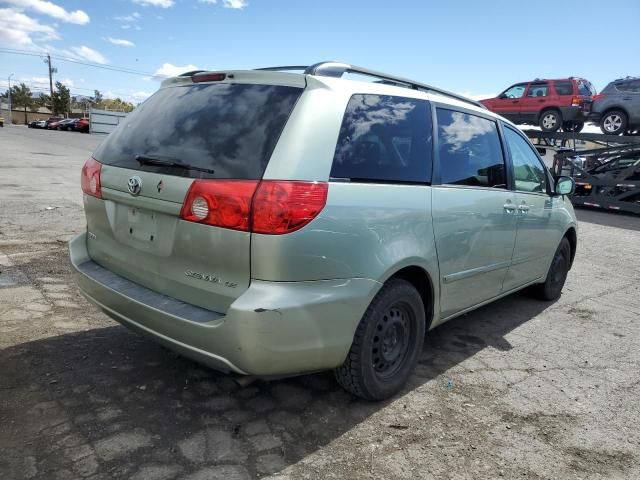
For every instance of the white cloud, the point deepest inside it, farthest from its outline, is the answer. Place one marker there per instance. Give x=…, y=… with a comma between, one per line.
x=67, y=82
x=16, y=28
x=51, y=9
x=120, y=42
x=131, y=18
x=170, y=70
x=155, y=3
x=235, y=3
x=89, y=54
x=211, y=2
x=137, y=97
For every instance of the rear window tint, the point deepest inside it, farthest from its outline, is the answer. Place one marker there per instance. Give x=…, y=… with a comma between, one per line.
x=629, y=86
x=564, y=88
x=585, y=89
x=384, y=138
x=470, y=152
x=229, y=128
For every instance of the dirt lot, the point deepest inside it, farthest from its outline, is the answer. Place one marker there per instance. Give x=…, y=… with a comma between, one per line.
x=517, y=389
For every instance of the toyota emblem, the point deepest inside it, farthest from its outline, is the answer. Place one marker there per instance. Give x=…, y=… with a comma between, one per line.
x=134, y=185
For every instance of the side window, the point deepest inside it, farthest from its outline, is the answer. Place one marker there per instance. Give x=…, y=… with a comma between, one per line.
x=384, y=138
x=470, y=151
x=629, y=86
x=528, y=172
x=564, y=88
x=538, y=90
x=516, y=91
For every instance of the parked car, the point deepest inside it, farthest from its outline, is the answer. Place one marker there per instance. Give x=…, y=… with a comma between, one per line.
x=550, y=104
x=38, y=124
x=82, y=125
x=66, y=124
x=617, y=107
x=318, y=229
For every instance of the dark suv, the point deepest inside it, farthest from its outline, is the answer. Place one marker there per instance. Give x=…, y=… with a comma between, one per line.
x=550, y=104
x=617, y=107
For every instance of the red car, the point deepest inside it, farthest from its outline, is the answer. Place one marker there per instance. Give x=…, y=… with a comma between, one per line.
x=82, y=125
x=550, y=104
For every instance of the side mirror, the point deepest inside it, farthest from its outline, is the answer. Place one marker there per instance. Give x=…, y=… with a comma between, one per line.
x=565, y=186
x=502, y=95
x=542, y=151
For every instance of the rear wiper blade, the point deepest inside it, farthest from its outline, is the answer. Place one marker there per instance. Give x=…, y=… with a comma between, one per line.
x=149, y=160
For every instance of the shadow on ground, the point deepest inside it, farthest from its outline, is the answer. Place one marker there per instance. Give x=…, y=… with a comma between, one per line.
x=608, y=218
x=111, y=402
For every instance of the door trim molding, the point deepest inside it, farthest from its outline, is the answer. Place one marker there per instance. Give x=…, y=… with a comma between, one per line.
x=454, y=277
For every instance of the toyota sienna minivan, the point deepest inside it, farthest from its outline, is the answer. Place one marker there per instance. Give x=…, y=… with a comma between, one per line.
x=272, y=223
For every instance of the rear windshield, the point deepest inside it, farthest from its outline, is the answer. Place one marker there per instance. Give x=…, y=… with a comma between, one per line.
x=230, y=129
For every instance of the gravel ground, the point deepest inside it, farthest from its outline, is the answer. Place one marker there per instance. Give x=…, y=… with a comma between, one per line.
x=517, y=389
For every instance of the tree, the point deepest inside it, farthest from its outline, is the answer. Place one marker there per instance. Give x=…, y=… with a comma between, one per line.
x=61, y=98
x=44, y=100
x=97, y=98
x=117, y=104
x=21, y=97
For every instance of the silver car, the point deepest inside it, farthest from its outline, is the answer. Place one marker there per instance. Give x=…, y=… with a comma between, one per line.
x=272, y=223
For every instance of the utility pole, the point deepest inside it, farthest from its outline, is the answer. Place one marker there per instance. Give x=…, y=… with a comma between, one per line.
x=10, y=116
x=51, y=72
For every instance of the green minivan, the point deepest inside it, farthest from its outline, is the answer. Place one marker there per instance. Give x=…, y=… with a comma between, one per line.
x=272, y=223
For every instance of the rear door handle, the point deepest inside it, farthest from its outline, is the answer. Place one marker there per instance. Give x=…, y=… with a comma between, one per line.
x=523, y=209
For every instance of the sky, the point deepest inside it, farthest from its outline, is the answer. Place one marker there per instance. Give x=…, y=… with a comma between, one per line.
x=477, y=48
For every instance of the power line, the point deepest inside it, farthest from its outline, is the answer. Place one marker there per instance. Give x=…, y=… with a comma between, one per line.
x=113, y=68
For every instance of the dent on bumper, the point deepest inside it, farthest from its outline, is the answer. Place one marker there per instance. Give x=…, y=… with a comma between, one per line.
x=274, y=328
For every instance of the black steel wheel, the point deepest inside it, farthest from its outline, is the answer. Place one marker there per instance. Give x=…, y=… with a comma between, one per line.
x=557, y=274
x=387, y=343
x=572, y=126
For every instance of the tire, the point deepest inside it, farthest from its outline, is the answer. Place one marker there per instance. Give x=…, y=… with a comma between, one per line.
x=550, y=120
x=557, y=274
x=614, y=122
x=572, y=126
x=394, y=321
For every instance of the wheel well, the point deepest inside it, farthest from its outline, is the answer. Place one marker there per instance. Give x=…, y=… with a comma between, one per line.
x=573, y=242
x=610, y=109
x=421, y=280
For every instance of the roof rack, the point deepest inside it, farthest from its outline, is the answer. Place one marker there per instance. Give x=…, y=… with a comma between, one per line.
x=336, y=69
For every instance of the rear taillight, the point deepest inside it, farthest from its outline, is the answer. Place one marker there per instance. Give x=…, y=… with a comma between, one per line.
x=286, y=206
x=208, y=77
x=576, y=101
x=90, y=178
x=222, y=203
x=272, y=207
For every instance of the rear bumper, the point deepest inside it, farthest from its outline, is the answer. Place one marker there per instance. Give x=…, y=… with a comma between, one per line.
x=274, y=328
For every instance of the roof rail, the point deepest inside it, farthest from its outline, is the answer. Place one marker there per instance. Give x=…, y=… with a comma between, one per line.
x=336, y=69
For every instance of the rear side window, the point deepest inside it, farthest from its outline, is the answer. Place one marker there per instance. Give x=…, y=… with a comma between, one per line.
x=470, y=150
x=231, y=129
x=384, y=138
x=629, y=86
x=564, y=88
x=538, y=90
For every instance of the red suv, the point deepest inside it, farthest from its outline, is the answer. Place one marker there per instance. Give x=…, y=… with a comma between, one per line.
x=550, y=104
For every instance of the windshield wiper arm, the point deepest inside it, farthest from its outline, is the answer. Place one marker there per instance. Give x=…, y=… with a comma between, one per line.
x=149, y=160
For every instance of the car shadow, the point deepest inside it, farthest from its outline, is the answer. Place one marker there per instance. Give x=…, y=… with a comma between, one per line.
x=609, y=218
x=116, y=401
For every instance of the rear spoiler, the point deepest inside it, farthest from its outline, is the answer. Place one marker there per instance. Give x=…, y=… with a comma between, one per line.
x=237, y=76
